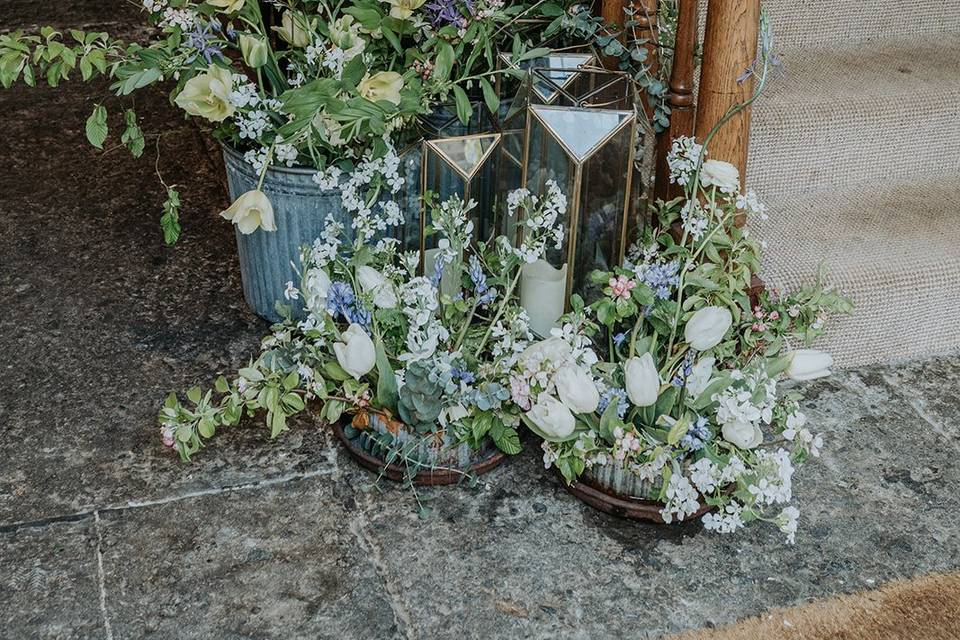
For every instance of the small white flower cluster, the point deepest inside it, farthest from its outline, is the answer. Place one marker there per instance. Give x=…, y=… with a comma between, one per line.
x=727, y=520
x=183, y=18
x=774, y=482
x=694, y=219
x=541, y=220
x=787, y=521
x=683, y=158
x=286, y=153
x=328, y=179
x=259, y=159
x=353, y=192
x=426, y=332
x=804, y=439
x=750, y=204
x=154, y=6
x=682, y=499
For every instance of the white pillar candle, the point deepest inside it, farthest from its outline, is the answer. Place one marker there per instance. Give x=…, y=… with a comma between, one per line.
x=543, y=294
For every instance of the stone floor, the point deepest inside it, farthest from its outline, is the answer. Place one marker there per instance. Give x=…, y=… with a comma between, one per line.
x=105, y=534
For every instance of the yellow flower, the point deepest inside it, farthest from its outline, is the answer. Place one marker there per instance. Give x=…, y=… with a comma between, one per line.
x=385, y=85
x=250, y=212
x=255, y=50
x=294, y=30
x=227, y=6
x=345, y=33
x=403, y=9
x=208, y=95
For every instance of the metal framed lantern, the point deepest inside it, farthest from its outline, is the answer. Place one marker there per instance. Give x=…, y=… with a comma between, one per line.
x=584, y=141
x=459, y=166
x=562, y=69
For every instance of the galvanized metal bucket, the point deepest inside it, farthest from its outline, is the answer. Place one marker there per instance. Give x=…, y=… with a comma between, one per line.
x=268, y=258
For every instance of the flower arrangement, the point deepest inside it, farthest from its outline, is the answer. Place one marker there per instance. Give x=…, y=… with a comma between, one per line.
x=419, y=363
x=290, y=82
x=684, y=408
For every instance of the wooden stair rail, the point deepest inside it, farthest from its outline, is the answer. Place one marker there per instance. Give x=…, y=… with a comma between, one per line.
x=729, y=49
x=680, y=98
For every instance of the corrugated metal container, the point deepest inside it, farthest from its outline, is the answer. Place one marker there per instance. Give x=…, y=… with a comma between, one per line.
x=267, y=258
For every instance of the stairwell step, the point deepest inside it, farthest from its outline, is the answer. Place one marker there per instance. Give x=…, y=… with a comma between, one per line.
x=893, y=247
x=836, y=118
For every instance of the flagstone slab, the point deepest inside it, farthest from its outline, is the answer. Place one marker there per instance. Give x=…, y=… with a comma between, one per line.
x=49, y=583
x=101, y=319
x=287, y=562
x=524, y=559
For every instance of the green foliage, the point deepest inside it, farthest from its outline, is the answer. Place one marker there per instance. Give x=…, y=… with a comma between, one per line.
x=96, y=128
x=421, y=398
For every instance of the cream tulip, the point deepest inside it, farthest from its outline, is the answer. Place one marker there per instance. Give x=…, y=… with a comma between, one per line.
x=642, y=380
x=745, y=435
x=372, y=281
x=552, y=417
x=227, y=6
x=293, y=30
x=250, y=212
x=700, y=376
x=809, y=364
x=403, y=9
x=720, y=174
x=385, y=85
x=207, y=95
x=255, y=50
x=576, y=389
x=707, y=327
x=356, y=353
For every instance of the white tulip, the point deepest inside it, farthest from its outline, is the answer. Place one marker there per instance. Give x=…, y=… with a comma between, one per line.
x=809, y=364
x=642, y=380
x=554, y=350
x=356, y=354
x=745, y=435
x=552, y=417
x=707, y=327
x=317, y=289
x=372, y=281
x=576, y=389
x=720, y=174
x=250, y=212
x=700, y=376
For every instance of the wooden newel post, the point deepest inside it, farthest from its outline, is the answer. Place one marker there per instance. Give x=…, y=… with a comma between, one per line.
x=729, y=48
x=680, y=97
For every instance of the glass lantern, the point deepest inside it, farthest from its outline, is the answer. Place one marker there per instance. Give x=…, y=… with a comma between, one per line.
x=584, y=142
x=560, y=70
x=459, y=166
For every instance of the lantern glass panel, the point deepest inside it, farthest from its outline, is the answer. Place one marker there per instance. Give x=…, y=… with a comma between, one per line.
x=588, y=153
x=462, y=167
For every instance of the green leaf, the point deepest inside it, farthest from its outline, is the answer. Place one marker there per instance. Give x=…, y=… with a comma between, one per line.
x=292, y=381
x=609, y=421
x=97, y=126
x=170, y=220
x=335, y=371
x=464, y=108
x=132, y=137
x=194, y=395
x=490, y=96
x=678, y=430
x=507, y=440
x=387, y=394
x=443, y=65
x=206, y=428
